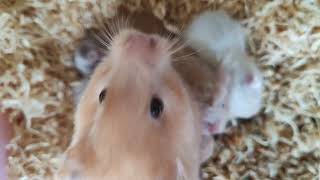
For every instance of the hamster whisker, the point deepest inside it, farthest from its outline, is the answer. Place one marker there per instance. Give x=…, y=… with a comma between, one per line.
x=107, y=35
x=118, y=24
x=180, y=58
x=121, y=22
x=171, y=35
x=180, y=30
x=107, y=32
x=183, y=45
x=173, y=43
x=102, y=41
x=127, y=22
x=103, y=29
x=111, y=26
x=176, y=45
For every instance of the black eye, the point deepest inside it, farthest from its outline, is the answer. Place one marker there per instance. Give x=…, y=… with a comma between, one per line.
x=102, y=95
x=156, y=107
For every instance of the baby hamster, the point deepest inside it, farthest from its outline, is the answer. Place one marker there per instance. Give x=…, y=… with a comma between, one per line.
x=233, y=87
x=88, y=55
x=222, y=42
x=136, y=119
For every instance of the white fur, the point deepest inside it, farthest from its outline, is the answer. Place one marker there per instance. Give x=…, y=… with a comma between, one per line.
x=214, y=33
x=245, y=99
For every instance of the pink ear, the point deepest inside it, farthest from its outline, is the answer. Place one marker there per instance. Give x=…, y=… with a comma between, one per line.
x=249, y=78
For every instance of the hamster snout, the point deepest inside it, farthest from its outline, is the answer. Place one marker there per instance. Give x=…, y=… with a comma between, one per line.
x=132, y=44
x=138, y=40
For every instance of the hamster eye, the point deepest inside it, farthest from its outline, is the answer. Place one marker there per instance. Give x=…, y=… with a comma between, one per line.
x=156, y=107
x=102, y=95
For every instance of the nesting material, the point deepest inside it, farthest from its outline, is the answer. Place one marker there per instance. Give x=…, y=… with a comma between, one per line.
x=37, y=39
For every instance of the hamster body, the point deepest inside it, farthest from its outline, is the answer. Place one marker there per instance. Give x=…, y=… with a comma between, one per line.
x=135, y=119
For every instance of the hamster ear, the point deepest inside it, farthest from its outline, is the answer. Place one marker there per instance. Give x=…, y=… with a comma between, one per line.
x=248, y=79
x=253, y=80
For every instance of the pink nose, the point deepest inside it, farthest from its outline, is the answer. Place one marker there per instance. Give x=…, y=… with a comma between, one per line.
x=141, y=42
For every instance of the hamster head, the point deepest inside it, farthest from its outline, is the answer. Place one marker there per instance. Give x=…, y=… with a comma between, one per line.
x=135, y=119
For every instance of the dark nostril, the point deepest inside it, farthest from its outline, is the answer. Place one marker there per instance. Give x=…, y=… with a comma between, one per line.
x=156, y=107
x=152, y=42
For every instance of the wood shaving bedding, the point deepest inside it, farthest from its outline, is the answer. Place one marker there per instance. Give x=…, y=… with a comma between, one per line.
x=37, y=39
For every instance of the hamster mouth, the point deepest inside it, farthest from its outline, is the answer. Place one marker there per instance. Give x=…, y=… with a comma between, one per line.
x=213, y=128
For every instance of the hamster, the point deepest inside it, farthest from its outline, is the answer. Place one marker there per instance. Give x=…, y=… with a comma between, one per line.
x=233, y=85
x=136, y=118
x=88, y=54
x=222, y=43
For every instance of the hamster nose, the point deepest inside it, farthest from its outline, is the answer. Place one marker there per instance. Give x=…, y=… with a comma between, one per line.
x=141, y=41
